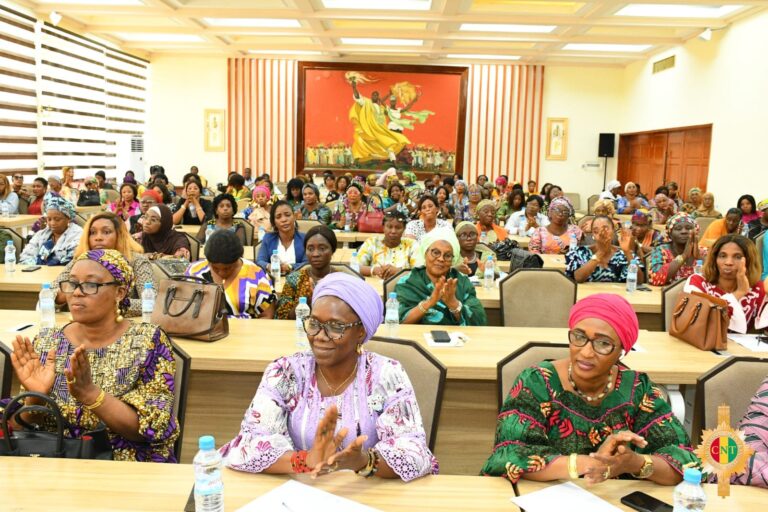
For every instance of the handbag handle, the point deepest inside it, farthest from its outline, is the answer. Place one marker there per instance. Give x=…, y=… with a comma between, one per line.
x=50, y=408
x=370, y=207
x=196, y=299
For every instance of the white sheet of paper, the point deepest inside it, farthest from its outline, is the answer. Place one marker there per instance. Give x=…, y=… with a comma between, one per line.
x=457, y=340
x=295, y=496
x=552, y=498
x=749, y=341
x=638, y=348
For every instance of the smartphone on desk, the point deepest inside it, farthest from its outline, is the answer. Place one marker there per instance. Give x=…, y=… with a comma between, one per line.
x=440, y=336
x=30, y=268
x=645, y=503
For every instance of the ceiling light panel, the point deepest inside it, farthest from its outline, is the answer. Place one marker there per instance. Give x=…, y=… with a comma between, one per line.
x=285, y=52
x=92, y=2
x=395, y=5
x=596, y=47
x=158, y=38
x=677, y=10
x=506, y=27
x=252, y=22
x=467, y=56
x=376, y=41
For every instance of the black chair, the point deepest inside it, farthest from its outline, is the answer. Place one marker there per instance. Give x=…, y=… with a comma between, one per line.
x=181, y=386
x=5, y=371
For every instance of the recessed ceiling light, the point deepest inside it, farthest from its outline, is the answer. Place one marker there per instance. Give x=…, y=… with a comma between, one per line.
x=397, y=5
x=252, y=22
x=380, y=50
x=374, y=41
x=506, y=27
x=285, y=52
x=677, y=10
x=467, y=56
x=93, y=2
x=595, y=47
x=158, y=38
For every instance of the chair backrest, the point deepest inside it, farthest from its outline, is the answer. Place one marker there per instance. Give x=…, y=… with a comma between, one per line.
x=389, y=284
x=669, y=295
x=181, y=385
x=529, y=354
x=331, y=205
x=343, y=267
x=704, y=222
x=732, y=382
x=194, y=247
x=242, y=204
x=426, y=373
x=575, y=199
x=307, y=224
x=481, y=247
x=256, y=253
x=591, y=200
x=80, y=220
x=18, y=240
x=5, y=371
x=536, y=297
x=23, y=206
x=249, y=231
x=759, y=241
x=111, y=195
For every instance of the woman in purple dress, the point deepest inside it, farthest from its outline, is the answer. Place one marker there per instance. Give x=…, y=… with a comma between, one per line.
x=335, y=406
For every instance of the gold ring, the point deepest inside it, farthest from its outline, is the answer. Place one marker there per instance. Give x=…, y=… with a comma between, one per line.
x=74, y=379
x=607, y=473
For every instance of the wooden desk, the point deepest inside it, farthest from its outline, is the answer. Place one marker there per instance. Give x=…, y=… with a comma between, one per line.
x=68, y=485
x=556, y=261
x=19, y=221
x=19, y=290
x=88, y=211
x=188, y=228
x=742, y=497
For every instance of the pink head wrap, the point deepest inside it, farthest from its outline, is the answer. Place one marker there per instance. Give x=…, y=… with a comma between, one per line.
x=261, y=188
x=501, y=181
x=610, y=308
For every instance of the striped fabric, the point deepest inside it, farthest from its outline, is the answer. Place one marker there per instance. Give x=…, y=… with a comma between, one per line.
x=754, y=424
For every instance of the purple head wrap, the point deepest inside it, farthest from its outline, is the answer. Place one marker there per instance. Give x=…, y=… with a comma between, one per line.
x=358, y=295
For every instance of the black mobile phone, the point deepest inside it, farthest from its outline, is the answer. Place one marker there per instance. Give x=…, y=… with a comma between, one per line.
x=30, y=268
x=440, y=336
x=643, y=288
x=645, y=503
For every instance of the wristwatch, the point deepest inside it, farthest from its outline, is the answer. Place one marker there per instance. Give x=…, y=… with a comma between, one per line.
x=646, y=469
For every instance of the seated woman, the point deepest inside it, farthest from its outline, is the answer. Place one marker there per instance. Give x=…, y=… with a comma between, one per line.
x=384, y=256
x=603, y=261
x=149, y=198
x=55, y=244
x=436, y=293
x=524, y=223
x=336, y=406
x=224, y=209
x=645, y=237
x=409, y=180
x=342, y=182
x=248, y=290
x=555, y=237
x=100, y=368
x=585, y=415
x=514, y=202
x=126, y=206
x=285, y=238
x=676, y=260
x=474, y=195
x=489, y=231
x=732, y=273
x=258, y=212
x=630, y=202
x=427, y=221
x=746, y=204
x=39, y=189
x=472, y=260
x=707, y=207
x=730, y=225
x=312, y=208
x=319, y=246
x=293, y=193
x=460, y=201
x=349, y=207
x=236, y=187
x=444, y=206
x=107, y=231
x=8, y=198
x=754, y=424
x=191, y=209
x=160, y=240
x=604, y=208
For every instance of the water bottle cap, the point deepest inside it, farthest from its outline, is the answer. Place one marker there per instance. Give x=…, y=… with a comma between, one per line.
x=302, y=300
x=490, y=257
x=147, y=286
x=46, y=286
x=354, y=253
x=274, y=252
x=692, y=475
x=9, y=243
x=699, y=262
x=206, y=443
x=392, y=295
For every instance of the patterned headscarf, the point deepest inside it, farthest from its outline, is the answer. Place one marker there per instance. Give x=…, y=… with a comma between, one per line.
x=154, y=194
x=117, y=266
x=436, y=235
x=762, y=205
x=464, y=224
x=641, y=215
x=91, y=181
x=460, y=182
x=501, y=181
x=410, y=175
x=560, y=201
x=58, y=203
x=357, y=294
x=486, y=202
x=679, y=218
x=312, y=187
x=261, y=188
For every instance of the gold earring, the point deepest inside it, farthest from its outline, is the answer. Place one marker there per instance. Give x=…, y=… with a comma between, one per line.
x=360, y=349
x=119, y=316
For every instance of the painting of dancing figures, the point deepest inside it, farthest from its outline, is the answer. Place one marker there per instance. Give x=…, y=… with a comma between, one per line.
x=371, y=117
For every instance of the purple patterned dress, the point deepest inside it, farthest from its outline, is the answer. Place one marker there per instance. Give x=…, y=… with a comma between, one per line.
x=284, y=414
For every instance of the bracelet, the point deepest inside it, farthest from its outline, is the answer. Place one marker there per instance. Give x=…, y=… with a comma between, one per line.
x=372, y=467
x=573, y=471
x=679, y=258
x=457, y=310
x=421, y=308
x=98, y=403
x=299, y=462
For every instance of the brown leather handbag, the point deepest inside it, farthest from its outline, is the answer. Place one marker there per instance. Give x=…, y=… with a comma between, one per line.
x=190, y=307
x=701, y=320
x=371, y=219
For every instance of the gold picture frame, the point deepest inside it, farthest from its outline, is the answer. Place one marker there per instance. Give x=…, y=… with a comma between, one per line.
x=557, y=138
x=215, y=134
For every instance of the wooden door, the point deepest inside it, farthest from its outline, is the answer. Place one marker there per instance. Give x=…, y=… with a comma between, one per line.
x=642, y=160
x=688, y=158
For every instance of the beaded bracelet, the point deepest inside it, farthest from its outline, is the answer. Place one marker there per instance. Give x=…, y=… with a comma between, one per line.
x=299, y=462
x=372, y=467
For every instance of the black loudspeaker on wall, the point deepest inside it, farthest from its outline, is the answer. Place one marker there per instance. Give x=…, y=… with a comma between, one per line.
x=607, y=143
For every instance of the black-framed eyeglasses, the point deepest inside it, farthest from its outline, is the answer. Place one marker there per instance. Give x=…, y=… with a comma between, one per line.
x=438, y=254
x=87, y=288
x=467, y=235
x=334, y=330
x=601, y=344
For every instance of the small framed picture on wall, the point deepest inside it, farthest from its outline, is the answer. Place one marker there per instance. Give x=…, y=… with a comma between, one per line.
x=557, y=138
x=215, y=123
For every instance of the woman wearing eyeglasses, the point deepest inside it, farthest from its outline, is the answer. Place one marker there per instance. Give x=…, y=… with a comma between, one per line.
x=100, y=368
x=435, y=292
x=555, y=237
x=335, y=406
x=586, y=416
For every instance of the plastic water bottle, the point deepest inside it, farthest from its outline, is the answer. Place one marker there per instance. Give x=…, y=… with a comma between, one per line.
x=274, y=267
x=10, y=256
x=262, y=232
x=147, y=302
x=632, y=275
x=744, y=230
x=523, y=225
x=699, y=268
x=489, y=273
x=347, y=223
x=302, y=312
x=689, y=495
x=209, y=488
x=354, y=262
x=47, y=307
x=209, y=229
x=5, y=210
x=574, y=243
x=483, y=237
x=392, y=315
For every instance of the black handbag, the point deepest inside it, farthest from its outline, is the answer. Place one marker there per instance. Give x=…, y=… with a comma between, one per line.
x=89, y=198
x=33, y=442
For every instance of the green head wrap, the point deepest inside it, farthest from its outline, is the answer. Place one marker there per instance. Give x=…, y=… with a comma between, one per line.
x=436, y=235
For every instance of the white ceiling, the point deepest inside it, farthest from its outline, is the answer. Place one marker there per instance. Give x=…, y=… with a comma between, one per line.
x=152, y=27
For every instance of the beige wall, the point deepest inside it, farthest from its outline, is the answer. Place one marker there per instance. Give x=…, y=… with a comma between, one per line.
x=181, y=88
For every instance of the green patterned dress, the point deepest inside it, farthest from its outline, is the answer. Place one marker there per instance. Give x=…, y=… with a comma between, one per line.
x=540, y=422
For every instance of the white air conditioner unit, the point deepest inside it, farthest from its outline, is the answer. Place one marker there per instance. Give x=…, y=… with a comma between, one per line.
x=137, y=157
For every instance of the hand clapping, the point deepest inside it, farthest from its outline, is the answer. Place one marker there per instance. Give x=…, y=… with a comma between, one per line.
x=79, y=381
x=33, y=375
x=325, y=457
